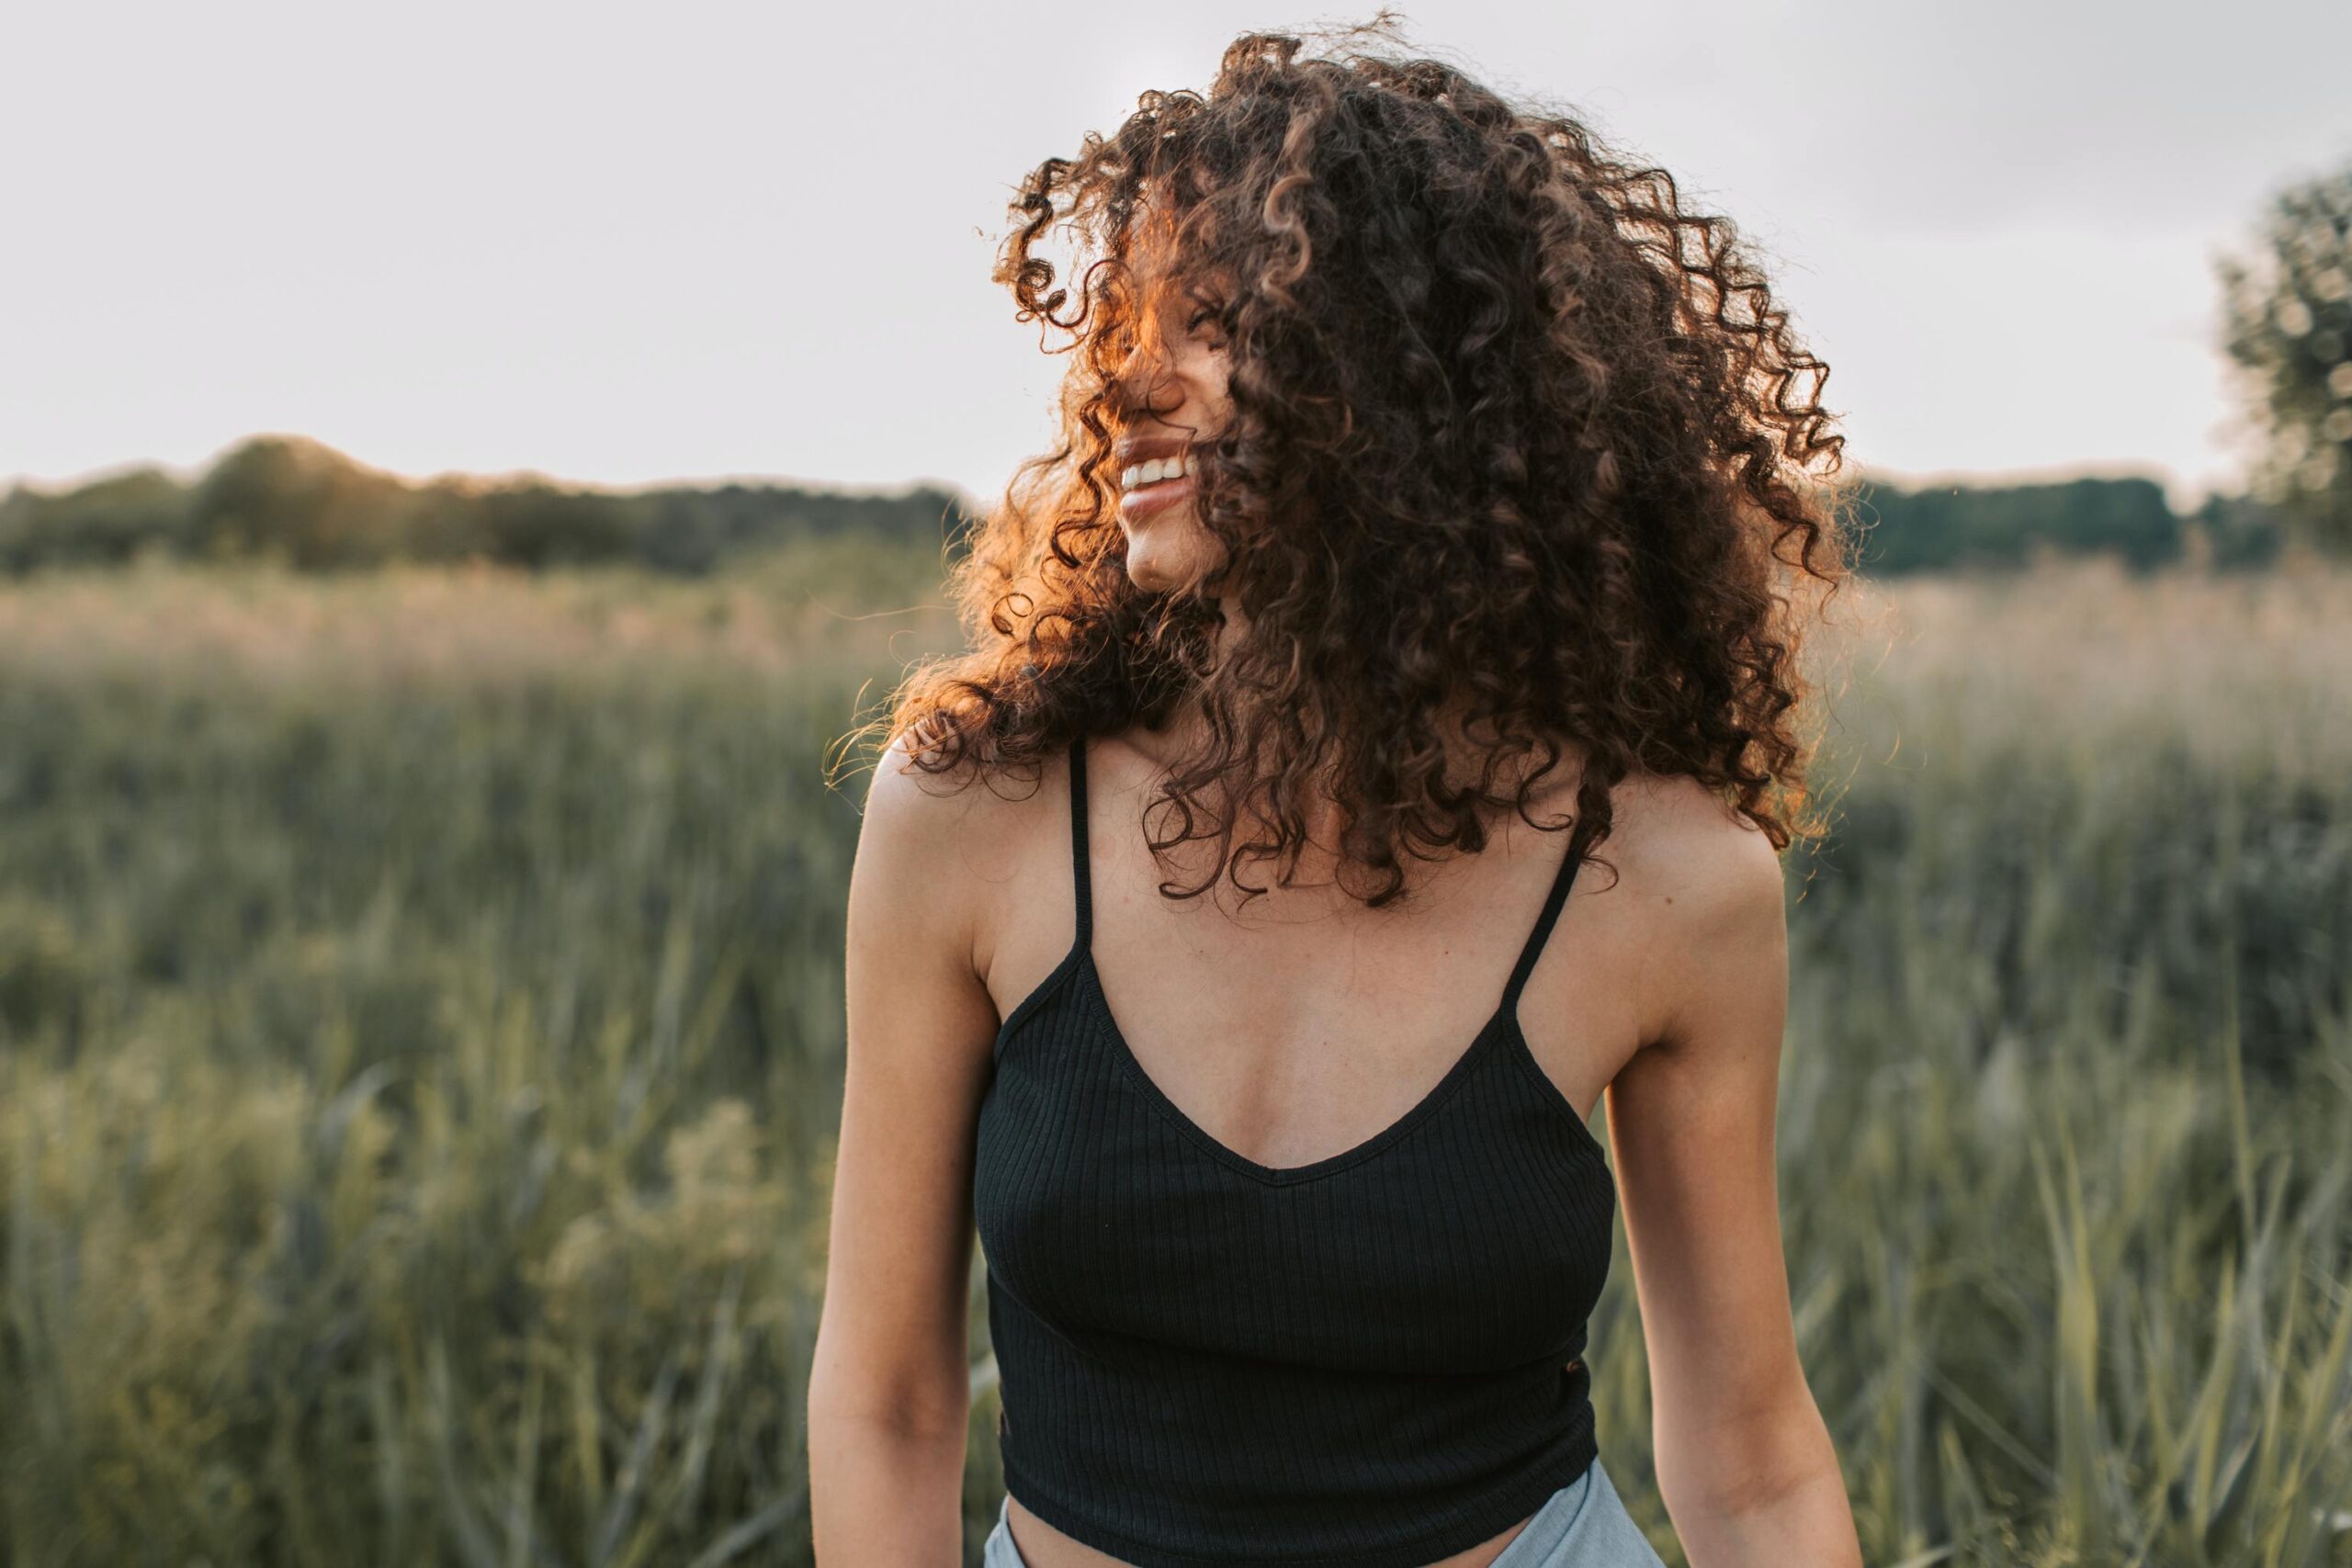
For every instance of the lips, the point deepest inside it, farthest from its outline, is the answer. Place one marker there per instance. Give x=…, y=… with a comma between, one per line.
x=1143, y=447
x=1129, y=450
x=1144, y=501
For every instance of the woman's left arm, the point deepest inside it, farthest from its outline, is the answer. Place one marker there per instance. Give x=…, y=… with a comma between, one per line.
x=1745, y=1463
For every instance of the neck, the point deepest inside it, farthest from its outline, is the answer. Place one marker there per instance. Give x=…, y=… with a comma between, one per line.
x=1187, y=730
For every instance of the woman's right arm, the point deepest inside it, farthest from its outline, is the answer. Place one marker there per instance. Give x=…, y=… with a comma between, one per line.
x=888, y=1395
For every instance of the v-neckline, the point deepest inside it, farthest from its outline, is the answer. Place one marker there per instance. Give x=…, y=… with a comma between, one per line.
x=1502, y=1023
x=1106, y=1026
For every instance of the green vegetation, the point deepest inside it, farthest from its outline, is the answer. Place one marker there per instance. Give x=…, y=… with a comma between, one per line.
x=1939, y=528
x=420, y=1036
x=292, y=502
x=2287, y=307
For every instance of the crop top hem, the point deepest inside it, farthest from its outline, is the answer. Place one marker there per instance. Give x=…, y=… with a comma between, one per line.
x=1503, y=1509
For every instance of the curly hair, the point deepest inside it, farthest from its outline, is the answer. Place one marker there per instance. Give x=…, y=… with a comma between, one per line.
x=1514, y=437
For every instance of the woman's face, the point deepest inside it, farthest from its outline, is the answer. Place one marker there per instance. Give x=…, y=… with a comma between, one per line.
x=1169, y=393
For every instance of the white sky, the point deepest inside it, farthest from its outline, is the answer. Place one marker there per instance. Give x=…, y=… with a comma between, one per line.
x=623, y=244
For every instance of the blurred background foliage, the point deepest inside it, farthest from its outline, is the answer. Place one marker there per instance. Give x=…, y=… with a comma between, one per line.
x=420, y=1046
x=290, y=500
x=2287, y=311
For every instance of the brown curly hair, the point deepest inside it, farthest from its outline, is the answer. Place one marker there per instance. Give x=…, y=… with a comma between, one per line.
x=1514, y=437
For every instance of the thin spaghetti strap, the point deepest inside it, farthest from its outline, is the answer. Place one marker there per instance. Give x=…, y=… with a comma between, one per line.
x=1553, y=902
x=1079, y=873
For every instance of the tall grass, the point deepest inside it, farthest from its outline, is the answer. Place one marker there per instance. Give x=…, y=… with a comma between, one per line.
x=420, y=1040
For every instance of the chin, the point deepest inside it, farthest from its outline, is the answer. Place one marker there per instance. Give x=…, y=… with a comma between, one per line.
x=1152, y=566
x=1151, y=576
x=1161, y=557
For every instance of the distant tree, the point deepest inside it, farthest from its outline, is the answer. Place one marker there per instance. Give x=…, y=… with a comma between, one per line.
x=2236, y=533
x=293, y=499
x=2288, y=328
x=1999, y=527
x=108, y=522
x=538, y=524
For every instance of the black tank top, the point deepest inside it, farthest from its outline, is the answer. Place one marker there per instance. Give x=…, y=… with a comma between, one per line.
x=1373, y=1359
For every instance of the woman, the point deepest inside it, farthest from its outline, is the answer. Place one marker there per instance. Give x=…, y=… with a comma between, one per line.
x=1430, y=484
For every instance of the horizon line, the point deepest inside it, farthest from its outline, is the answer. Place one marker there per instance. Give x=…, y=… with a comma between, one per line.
x=1910, y=479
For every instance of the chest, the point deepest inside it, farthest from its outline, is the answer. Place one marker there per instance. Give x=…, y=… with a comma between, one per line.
x=1471, y=1233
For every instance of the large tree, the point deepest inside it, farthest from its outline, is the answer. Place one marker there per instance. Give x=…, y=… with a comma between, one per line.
x=2287, y=306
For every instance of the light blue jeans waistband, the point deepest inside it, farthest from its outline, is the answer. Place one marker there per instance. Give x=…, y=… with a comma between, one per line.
x=1583, y=1524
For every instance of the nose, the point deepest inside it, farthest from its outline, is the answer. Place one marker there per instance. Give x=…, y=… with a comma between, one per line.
x=1142, y=384
x=1142, y=393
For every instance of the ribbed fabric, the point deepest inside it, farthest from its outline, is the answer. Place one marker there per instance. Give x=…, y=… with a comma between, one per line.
x=1372, y=1360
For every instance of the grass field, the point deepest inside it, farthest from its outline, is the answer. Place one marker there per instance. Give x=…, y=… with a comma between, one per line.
x=419, y=1038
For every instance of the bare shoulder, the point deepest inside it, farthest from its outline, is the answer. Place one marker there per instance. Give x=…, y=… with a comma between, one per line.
x=915, y=808
x=937, y=846
x=1694, y=851
x=891, y=1343
x=1706, y=896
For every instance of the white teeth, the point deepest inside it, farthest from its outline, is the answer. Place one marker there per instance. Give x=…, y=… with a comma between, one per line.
x=1154, y=470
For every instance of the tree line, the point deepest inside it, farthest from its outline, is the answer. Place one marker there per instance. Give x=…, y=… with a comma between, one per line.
x=1948, y=527
x=2287, y=332
x=296, y=502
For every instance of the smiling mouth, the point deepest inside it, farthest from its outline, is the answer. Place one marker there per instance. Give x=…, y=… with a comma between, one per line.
x=1143, y=500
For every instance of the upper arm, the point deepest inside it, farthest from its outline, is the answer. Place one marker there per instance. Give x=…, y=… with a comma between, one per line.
x=1691, y=1119
x=890, y=1338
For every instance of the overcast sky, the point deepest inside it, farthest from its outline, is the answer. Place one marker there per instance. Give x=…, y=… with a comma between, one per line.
x=628, y=245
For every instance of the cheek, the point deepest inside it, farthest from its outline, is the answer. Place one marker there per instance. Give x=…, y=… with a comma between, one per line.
x=1205, y=373
x=1213, y=385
